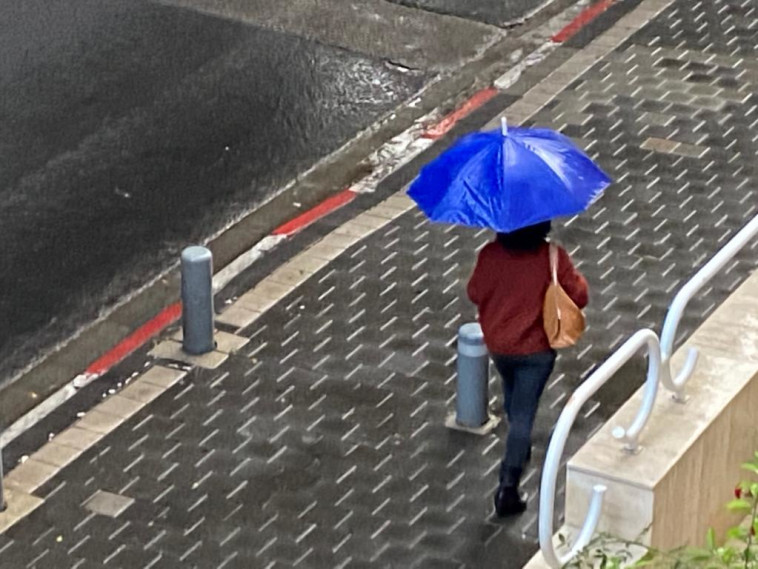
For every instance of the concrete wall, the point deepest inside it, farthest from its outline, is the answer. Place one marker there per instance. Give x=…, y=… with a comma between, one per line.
x=676, y=487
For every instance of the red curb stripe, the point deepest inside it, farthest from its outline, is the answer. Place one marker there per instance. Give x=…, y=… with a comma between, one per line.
x=136, y=339
x=322, y=209
x=173, y=312
x=584, y=18
x=447, y=123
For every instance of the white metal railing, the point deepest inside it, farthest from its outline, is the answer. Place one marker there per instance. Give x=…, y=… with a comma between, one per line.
x=600, y=377
x=675, y=382
x=659, y=371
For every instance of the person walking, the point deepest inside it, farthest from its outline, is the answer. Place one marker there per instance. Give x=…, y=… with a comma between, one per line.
x=508, y=286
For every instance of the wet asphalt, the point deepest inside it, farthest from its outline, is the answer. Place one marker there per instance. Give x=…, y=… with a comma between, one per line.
x=493, y=12
x=130, y=129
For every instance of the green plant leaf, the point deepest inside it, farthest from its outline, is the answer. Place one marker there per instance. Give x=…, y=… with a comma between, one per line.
x=710, y=539
x=646, y=560
x=727, y=554
x=754, y=489
x=740, y=505
x=697, y=554
x=736, y=533
x=750, y=466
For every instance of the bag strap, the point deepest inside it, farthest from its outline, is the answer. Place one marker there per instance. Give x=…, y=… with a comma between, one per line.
x=554, y=262
x=554, y=271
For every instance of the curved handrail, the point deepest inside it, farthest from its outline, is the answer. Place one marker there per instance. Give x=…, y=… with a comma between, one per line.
x=631, y=435
x=644, y=337
x=675, y=382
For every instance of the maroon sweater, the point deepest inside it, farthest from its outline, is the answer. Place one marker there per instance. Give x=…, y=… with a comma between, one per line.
x=509, y=287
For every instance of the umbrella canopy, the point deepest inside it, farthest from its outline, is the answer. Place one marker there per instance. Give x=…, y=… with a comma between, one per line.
x=507, y=179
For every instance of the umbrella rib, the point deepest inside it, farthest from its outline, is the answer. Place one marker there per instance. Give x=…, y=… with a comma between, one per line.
x=536, y=153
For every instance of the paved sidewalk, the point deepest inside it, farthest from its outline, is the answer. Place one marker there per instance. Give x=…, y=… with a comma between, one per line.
x=320, y=442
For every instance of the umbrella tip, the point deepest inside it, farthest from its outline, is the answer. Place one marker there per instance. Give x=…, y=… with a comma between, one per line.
x=504, y=126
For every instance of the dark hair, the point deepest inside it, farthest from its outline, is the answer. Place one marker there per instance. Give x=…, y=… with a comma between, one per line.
x=526, y=238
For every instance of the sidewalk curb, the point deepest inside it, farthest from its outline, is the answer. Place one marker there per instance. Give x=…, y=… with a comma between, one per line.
x=583, y=19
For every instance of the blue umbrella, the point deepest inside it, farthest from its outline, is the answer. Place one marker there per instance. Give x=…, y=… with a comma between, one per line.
x=507, y=179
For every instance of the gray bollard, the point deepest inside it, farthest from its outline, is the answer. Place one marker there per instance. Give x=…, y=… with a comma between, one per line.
x=473, y=376
x=197, y=300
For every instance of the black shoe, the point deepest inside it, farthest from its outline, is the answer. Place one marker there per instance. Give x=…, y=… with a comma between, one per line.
x=529, y=455
x=509, y=501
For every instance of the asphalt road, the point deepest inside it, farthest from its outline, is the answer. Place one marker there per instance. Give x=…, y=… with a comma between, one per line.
x=493, y=12
x=133, y=128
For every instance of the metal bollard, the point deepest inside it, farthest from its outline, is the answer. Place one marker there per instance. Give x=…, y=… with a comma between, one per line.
x=197, y=300
x=473, y=376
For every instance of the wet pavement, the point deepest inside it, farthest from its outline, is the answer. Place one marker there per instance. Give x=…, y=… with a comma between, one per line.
x=493, y=12
x=131, y=129
x=406, y=37
x=321, y=442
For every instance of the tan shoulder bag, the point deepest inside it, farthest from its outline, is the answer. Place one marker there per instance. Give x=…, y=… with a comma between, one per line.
x=563, y=320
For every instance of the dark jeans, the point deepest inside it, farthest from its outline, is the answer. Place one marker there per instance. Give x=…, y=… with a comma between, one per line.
x=524, y=379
